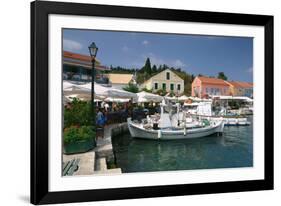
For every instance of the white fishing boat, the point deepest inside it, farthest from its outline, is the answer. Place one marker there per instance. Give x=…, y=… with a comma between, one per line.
x=204, y=110
x=162, y=128
x=232, y=119
x=139, y=130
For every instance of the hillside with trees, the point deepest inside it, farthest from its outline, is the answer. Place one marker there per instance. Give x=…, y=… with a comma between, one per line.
x=148, y=70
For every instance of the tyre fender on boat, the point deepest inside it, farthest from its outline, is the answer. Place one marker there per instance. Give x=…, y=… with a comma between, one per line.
x=159, y=134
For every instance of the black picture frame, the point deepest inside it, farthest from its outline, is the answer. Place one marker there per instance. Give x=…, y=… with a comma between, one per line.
x=39, y=102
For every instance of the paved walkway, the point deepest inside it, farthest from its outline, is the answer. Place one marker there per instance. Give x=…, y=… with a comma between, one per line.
x=86, y=164
x=94, y=162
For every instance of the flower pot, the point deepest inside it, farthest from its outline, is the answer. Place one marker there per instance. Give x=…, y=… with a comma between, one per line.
x=79, y=146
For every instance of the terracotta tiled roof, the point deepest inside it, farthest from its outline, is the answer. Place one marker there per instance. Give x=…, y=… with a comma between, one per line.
x=120, y=78
x=209, y=80
x=241, y=84
x=80, y=57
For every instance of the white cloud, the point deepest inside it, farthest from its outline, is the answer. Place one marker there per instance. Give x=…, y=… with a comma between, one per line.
x=125, y=48
x=71, y=45
x=177, y=63
x=249, y=70
x=145, y=42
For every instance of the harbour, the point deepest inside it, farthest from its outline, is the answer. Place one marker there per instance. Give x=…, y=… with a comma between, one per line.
x=233, y=149
x=155, y=116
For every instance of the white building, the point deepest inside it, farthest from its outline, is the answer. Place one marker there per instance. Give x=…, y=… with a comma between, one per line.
x=166, y=80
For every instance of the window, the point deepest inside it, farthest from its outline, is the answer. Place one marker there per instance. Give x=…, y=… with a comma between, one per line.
x=156, y=86
x=164, y=86
x=179, y=87
x=218, y=92
x=168, y=75
x=207, y=90
x=172, y=87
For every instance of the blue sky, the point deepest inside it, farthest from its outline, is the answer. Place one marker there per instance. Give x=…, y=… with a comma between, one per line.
x=195, y=54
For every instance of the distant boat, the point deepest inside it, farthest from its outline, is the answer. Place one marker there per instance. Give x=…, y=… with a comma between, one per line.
x=204, y=110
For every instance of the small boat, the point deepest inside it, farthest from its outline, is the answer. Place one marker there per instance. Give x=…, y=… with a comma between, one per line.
x=204, y=110
x=139, y=130
x=246, y=111
x=236, y=121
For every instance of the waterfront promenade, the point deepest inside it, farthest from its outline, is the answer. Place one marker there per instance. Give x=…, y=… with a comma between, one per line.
x=95, y=161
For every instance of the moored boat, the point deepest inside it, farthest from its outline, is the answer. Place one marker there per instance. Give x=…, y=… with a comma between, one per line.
x=139, y=130
x=204, y=110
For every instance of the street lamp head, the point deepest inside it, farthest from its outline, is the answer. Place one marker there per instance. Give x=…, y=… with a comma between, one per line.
x=93, y=49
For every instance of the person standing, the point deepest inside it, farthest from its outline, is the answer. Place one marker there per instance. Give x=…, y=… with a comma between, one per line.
x=100, y=121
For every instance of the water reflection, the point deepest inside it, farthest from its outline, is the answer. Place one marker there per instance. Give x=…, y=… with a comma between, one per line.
x=233, y=149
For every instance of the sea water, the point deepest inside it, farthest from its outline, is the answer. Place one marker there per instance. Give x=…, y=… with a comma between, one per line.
x=233, y=149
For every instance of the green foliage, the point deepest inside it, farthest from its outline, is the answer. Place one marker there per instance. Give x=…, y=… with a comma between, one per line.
x=171, y=94
x=121, y=70
x=147, y=90
x=154, y=69
x=192, y=78
x=161, y=92
x=111, y=164
x=131, y=88
x=187, y=80
x=142, y=77
x=222, y=76
x=77, y=113
x=75, y=134
x=146, y=72
x=147, y=67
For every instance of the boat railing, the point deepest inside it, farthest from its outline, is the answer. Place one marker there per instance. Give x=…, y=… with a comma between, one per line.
x=218, y=116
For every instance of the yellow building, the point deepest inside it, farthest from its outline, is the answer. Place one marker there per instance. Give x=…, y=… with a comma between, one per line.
x=166, y=80
x=119, y=81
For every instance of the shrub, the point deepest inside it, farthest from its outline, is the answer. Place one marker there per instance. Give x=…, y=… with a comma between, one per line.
x=131, y=88
x=77, y=113
x=74, y=134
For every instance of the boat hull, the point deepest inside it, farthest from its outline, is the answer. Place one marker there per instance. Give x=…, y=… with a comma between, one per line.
x=238, y=121
x=138, y=132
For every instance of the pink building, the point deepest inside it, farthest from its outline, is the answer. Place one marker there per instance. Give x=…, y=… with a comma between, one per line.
x=206, y=86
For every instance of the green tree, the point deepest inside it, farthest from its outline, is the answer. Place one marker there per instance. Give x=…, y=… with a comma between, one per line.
x=78, y=113
x=161, y=92
x=131, y=88
x=154, y=69
x=147, y=90
x=222, y=76
x=192, y=77
x=142, y=77
x=165, y=67
x=187, y=81
x=147, y=67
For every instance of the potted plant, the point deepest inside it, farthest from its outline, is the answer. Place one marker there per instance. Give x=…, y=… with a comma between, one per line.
x=78, y=139
x=79, y=131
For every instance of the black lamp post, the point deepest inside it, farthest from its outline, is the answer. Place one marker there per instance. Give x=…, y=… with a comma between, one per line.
x=93, y=49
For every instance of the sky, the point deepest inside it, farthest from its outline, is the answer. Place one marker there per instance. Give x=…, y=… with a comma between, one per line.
x=196, y=54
